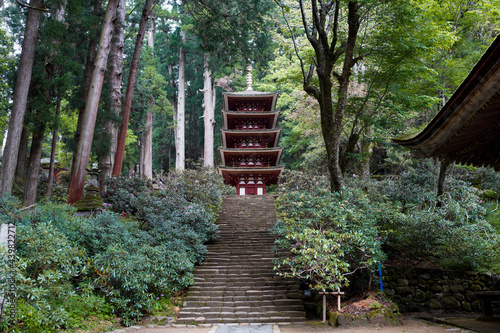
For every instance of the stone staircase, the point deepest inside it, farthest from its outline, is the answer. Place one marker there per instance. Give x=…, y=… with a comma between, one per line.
x=236, y=282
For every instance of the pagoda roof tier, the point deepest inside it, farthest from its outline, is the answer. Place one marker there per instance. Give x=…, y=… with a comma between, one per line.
x=244, y=157
x=232, y=175
x=258, y=138
x=467, y=129
x=233, y=119
x=250, y=100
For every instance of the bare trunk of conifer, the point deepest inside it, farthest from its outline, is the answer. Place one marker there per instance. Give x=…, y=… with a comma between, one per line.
x=181, y=105
x=147, y=144
x=89, y=69
x=22, y=156
x=91, y=106
x=445, y=163
x=20, y=97
x=366, y=153
x=129, y=93
x=208, y=113
x=173, y=101
x=115, y=76
x=31, y=185
x=53, y=151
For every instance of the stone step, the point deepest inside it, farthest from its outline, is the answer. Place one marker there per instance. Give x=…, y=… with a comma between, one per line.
x=236, y=283
x=265, y=308
x=250, y=320
x=242, y=314
x=280, y=302
x=261, y=282
x=242, y=294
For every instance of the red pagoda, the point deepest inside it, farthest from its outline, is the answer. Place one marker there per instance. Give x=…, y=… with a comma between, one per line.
x=250, y=154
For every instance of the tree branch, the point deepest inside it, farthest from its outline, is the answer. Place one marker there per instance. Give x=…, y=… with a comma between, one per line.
x=34, y=8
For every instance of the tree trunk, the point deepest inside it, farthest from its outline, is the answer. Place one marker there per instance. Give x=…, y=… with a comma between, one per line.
x=20, y=97
x=346, y=156
x=208, y=113
x=31, y=185
x=53, y=151
x=89, y=68
x=127, y=105
x=366, y=153
x=327, y=54
x=445, y=163
x=115, y=75
x=91, y=106
x=147, y=143
x=22, y=156
x=181, y=105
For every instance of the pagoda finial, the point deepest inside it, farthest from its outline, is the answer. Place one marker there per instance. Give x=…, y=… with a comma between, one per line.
x=249, y=77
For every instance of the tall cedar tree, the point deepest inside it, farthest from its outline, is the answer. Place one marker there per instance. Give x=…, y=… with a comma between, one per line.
x=147, y=134
x=20, y=96
x=127, y=104
x=229, y=31
x=180, y=151
x=106, y=161
x=91, y=107
x=31, y=184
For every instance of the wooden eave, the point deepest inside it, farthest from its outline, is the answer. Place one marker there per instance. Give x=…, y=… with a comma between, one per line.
x=467, y=129
x=275, y=132
x=250, y=95
x=270, y=173
x=271, y=115
x=275, y=153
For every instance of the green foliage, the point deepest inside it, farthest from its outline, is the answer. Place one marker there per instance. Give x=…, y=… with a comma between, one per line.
x=399, y=214
x=203, y=186
x=291, y=180
x=47, y=264
x=70, y=269
x=329, y=236
x=451, y=231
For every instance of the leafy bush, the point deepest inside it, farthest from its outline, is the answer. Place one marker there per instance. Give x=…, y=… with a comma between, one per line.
x=329, y=237
x=451, y=231
x=47, y=265
x=203, y=186
x=70, y=268
x=292, y=180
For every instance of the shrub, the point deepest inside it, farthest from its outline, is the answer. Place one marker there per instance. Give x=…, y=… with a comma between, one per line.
x=203, y=186
x=47, y=263
x=72, y=267
x=329, y=237
x=450, y=231
x=292, y=180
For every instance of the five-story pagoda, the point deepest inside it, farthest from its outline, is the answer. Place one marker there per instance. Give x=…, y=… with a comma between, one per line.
x=250, y=154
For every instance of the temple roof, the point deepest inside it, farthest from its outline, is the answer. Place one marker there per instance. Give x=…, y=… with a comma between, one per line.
x=255, y=132
x=250, y=93
x=467, y=129
x=265, y=99
x=230, y=155
x=231, y=175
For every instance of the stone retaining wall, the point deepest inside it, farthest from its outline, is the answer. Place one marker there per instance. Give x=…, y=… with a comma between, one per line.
x=418, y=289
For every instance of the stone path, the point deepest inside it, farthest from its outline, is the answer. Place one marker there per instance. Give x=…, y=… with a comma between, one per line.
x=408, y=325
x=236, y=282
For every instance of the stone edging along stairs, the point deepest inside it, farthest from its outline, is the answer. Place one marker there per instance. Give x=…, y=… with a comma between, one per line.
x=236, y=282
